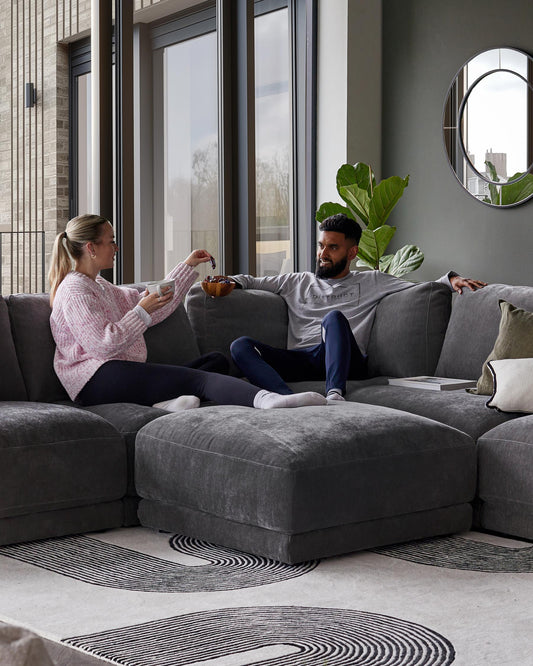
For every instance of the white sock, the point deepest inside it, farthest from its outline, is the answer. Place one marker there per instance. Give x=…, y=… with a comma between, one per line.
x=335, y=395
x=179, y=404
x=268, y=400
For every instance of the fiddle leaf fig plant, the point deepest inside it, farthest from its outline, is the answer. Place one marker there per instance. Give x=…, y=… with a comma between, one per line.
x=370, y=204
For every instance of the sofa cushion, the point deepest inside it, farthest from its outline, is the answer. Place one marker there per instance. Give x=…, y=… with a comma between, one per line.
x=473, y=328
x=172, y=341
x=128, y=419
x=30, y=323
x=11, y=381
x=216, y=322
x=505, y=482
x=408, y=331
x=513, y=385
x=515, y=340
x=458, y=409
x=58, y=457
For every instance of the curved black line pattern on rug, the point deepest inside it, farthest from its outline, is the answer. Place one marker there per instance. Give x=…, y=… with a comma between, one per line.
x=331, y=636
x=455, y=552
x=99, y=563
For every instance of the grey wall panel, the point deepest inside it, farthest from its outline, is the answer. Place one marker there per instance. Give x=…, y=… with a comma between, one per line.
x=424, y=44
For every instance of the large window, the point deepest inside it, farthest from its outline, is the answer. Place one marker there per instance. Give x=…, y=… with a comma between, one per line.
x=178, y=188
x=190, y=148
x=274, y=230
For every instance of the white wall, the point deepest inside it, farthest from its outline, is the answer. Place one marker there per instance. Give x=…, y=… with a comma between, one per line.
x=348, y=89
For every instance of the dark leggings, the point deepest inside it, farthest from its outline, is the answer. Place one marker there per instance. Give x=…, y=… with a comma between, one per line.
x=148, y=383
x=336, y=359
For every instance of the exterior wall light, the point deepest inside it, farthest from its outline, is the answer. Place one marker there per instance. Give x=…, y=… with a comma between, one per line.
x=30, y=95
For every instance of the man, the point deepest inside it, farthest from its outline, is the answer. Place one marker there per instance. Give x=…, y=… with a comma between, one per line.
x=330, y=316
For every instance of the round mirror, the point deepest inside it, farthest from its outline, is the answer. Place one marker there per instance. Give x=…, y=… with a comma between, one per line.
x=488, y=126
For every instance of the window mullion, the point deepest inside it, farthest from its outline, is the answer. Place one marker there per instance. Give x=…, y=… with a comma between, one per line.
x=235, y=22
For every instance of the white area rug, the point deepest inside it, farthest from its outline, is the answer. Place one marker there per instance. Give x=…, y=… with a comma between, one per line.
x=138, y=597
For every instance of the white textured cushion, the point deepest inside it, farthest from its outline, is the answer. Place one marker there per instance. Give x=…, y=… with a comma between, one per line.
x=513, y=385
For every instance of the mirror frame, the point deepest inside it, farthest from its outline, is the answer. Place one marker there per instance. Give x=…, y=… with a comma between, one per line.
x=453, y=134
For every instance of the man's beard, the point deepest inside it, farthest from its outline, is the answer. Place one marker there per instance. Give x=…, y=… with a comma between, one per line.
x=331, y=270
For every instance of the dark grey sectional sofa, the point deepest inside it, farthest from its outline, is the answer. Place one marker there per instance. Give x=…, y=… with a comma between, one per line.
x=393, y=464
x=64, y=469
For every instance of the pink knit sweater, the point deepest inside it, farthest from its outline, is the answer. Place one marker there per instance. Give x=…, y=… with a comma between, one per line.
x=95, y=321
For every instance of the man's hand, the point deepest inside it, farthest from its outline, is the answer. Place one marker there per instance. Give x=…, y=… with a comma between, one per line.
x=459, y=283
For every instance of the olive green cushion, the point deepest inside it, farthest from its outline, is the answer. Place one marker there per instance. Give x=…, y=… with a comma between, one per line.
x=515, y=340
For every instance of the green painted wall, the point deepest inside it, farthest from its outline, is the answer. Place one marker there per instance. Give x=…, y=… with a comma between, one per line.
x=425, y=42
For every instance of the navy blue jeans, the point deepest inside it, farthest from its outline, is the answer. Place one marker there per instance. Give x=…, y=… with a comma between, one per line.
x=336, y=359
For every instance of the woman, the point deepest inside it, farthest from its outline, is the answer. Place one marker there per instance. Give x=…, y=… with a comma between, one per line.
x=98, y=329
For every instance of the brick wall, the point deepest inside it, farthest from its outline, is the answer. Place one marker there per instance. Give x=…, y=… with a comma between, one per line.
x=34, y=142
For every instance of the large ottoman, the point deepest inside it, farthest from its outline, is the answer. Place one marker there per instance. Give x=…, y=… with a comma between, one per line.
x=305, y=483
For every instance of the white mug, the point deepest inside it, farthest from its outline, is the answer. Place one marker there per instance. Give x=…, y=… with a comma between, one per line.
x=159, y=285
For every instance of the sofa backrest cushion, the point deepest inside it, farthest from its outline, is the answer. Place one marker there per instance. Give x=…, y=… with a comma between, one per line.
x=172, y=341
x=30, y=323
x=216, y=322
x=408, y=331
x=11, y=381
x=474, y=326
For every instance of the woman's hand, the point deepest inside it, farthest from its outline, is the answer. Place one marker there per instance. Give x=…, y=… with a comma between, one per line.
x=152, y=302
x=199, y=257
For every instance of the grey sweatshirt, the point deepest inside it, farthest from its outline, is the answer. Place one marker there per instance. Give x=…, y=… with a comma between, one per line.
x=310, y=298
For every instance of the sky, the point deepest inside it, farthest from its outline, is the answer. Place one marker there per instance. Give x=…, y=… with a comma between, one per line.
x=497, y=108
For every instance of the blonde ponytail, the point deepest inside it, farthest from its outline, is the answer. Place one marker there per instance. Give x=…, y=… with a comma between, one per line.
x=68, y=247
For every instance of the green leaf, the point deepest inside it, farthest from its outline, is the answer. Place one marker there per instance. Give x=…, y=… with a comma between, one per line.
x=364, y=177
x=384, y=262
x=386, y=196
x=330, y=208
x=357, y=200
x=364, y=262
x=346, y=176
x=518, y=191
x=366, y=251
x=407, y=259
x=373, y=244
x=492, y=171
x=360, y=174
x=494, y=192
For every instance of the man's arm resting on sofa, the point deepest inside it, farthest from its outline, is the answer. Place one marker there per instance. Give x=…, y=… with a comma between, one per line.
x=458, y=283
